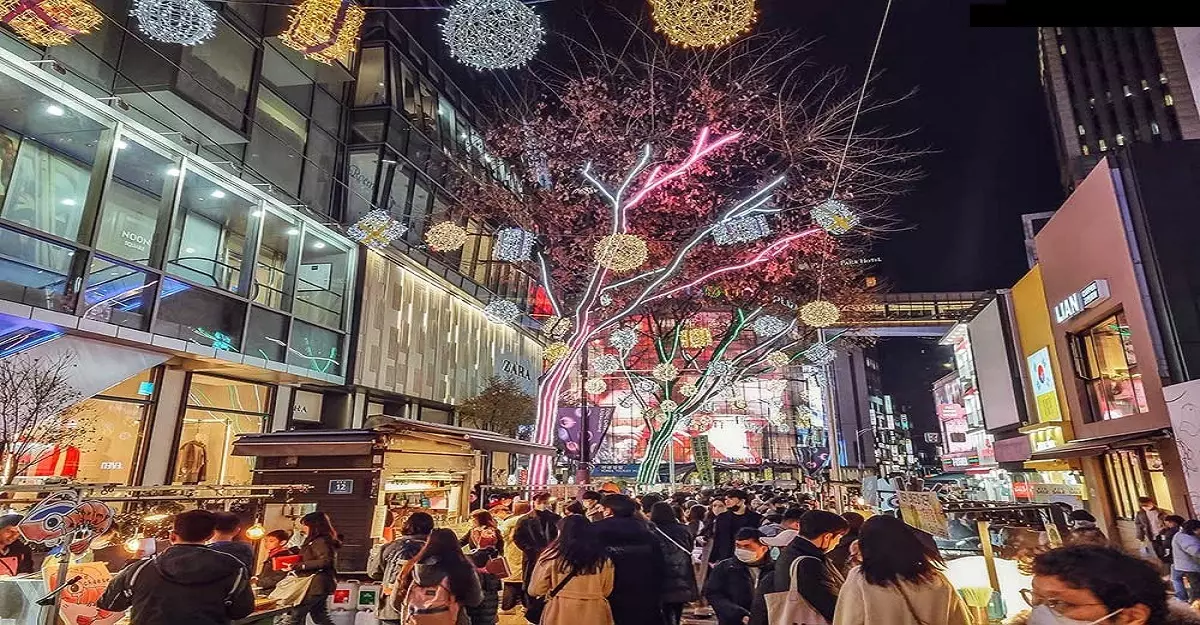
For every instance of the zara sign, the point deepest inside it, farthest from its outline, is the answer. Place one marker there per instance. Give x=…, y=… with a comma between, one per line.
x=1081, y=300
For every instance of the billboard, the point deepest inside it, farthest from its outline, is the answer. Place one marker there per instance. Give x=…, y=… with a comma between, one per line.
x=570, y=422
x=995, y=374
x=1041, y=378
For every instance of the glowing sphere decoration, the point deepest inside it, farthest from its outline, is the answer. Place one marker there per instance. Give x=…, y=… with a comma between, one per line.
x=595, y=386
x=324, y=30
x=646, y=386
x=606, y=364
x=513, y=245
x=689, y=390
x=834, y=217
x=703, y=23
x=697, y=337
x=720, y=368
x=703, y=422
x=665, y=372
x=740, y=404
x=820, y=354
x=741, y=230
x=183, y=22
x=606, y=299
x=501, y=311
x=49, y=22
x=769, y=325
x=778, y=359
x=556, y=351
x=624, y=339
x=620, y=252
x=777, y=419
x=377, y=229
x=492, y=34
x=820, y=313
x=668, y=406
x=777, y=385
x=556, y=327
x=446, y=237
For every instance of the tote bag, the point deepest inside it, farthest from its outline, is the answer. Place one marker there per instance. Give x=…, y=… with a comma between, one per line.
x=790, y=607
x=291, y=590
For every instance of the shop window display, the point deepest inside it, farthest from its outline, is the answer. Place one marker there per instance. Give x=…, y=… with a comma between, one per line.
x=1109, y=367
x=1126, y=481
x=218, y=410
x=118, y=294
x=34, y=271
x=197, y=316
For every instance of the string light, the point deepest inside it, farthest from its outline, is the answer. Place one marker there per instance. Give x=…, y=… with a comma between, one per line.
x=182, y=22
x=834, y=217
x=741, y=230
x=501, y=311
x=820, y=313
x=621, y=252
x=606, y=364
x=492, y=34
x=698, y=337
x=513, y=245
x=595, y=386
x=556, y=327
x=703, y=23
x=646, y=386
x=668, y=406
x=624, y=339
x=446, y=237
x=778, y=359
x=689, y=390
x=555, y=351
x=324, y=30
x=665, y=372
x=376, y=229
x=820, y=354
x=769, y=325
x=49, y=22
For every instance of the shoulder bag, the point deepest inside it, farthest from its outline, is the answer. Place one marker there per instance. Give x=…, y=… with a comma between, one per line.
x=790, y=607
x=537, y=605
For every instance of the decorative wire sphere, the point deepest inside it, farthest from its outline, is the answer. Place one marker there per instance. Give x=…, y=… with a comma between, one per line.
x=621, y=252
x=708, y=406
x=501, y=311
x=777, y=419
x=446, y=237
x=377, y=229
x=804, y=417
x=820, y=313
x=834, y=217
x=777, y=385
x=183, y=22
x=624, y=339
x=556, y=327
x=778, y=359
x=703, y=422
x=492, y=34
x=555, y=351
x=646, y=386
x=689, y=390
x=665, y=372
x=513, y=245
x=606, y=364
x=50, y=22
x=324, y=30
x=606, y=299
x=698, y=337
x=720, y=368
x=595, y=386
x=820, y=354
x=668, y=406
x=740, y=403
x=703, y=23
x=769, y=325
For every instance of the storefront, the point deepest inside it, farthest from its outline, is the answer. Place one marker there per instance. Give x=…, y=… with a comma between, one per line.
x=1112, y=380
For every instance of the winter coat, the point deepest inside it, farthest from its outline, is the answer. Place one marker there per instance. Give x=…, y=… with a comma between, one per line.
x=679, y=582
x=839, y=556
x=268, y=577
x=1178, y=613
x=819, y=581
x=512, y=553
x=476, y=536
x=533, y=533
x=725, y=527
x=486, y=612
x=244, y=552
x=430, y=573
x=1185, y=551
x=580, y=602
x=931, y=603
x=733, y=595
x=318, y=558
x=638, y=570
x=185, y=585
x=1141, y=521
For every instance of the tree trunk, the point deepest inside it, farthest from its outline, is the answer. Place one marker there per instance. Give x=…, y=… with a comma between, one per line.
x=659, y=440
x=547, y=415
x=6, y=465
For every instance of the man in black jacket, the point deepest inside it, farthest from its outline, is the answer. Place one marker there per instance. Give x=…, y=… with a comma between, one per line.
x=189, y=584
x=535, y=531
x=817, y=579
x=638, y=563
x=736, y=586
x=736, y=516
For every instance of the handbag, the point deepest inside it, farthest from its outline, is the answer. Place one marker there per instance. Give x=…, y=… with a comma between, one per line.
x=537, y=605
x=498, y=566
x=790, y=607
x=292, y=589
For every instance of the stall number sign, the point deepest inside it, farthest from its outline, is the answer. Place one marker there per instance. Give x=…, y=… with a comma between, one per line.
x=341, y=487
x=1081, y=300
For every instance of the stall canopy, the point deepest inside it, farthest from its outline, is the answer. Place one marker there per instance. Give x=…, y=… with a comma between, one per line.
x=482, y=440
x=310, y=443
x=1081, y=447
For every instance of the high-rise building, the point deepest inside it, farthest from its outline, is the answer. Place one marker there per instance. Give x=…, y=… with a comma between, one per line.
x=1109, y=87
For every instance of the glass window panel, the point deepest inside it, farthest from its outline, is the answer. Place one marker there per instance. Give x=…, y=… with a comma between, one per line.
x=205, y=445
x=1115, y=388
x=319, y=171
x=363, y=169
x=217, y=74
x=266, y=335
x=141, y=178
x=286, y=79
x=371, y=87
x=197, y=316
x=398, y=194
x=208, y=235
x=412, y=103
x=118, y=294
x=207, y=391
x=93, y=56
x=46, y=175
x=139, y=387
x=321, y=280
x=35, y=272
x=277, y=141
x=315, y=348
x=114, y=436
x=326, y=111
x=418, y=212
x=446, y=121
x=429, y=108
x=280, y=242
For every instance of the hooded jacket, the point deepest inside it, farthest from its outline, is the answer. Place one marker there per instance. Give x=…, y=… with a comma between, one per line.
x=185, y=585
x=638, y=570
x=431, y=573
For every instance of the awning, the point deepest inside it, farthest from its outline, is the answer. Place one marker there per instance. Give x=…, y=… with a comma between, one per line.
x=318, y=443
x=482, y=440
x=1082, y=447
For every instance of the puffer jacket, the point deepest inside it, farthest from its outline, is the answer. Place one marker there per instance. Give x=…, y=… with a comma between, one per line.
x=486, y=612
x=1178, y=613
x=185, y=585
x=399, y=550
x=318, y=558
x=679, y=579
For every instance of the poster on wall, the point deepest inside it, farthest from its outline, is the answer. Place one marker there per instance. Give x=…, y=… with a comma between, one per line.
x=923, y=510
x=1041, y=378
x=1183, y=406
x=704, y=464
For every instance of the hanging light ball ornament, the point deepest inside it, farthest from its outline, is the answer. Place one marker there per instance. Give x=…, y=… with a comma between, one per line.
x=820, y=313
x=555, y=351
x=595, y=386
x=377, y=229
x=778, y=359
x=49, y=22
x=703, y=422
x=646, y=386
x=501, y=311
x=324, y=30
x=689, y=390
x=624, y=339
x=703, y=23
x=698, y=337
x=769, y=325
x=606, y=364
x=777, y=386
x=182, y=22
x=720, y=368
x=820, y=354
x=665, y=372
x=740, y=404
x=668, y=406
x=492, y=34
x=556, y=327
x=620, y=252
x=446, y=237
x=834, y=217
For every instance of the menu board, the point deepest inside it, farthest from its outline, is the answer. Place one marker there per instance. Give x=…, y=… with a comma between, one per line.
x=922, y=510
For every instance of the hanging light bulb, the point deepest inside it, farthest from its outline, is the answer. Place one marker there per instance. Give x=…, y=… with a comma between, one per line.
x=256, y=531
x=324, y=30
x=133, y=545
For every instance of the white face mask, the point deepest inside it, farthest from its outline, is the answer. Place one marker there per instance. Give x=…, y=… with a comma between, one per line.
x=746, y=555
x=1043, y=615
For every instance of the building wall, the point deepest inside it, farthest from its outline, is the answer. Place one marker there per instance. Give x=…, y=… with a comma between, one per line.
x=1035, y=331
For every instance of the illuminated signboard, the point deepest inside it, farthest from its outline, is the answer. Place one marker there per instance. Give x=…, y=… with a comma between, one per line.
x=1081, y=300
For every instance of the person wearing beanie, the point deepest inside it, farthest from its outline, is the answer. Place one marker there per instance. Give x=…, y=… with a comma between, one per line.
x=15, y=556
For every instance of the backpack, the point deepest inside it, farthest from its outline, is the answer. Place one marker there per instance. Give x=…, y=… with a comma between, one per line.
x=391, y=571
x=485, y=537
x=430, y=605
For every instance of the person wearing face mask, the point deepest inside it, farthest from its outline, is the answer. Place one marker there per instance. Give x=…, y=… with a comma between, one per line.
x=1093, y=585
x=726, y=525
x=591, y=505
x=817, y=579
x=535, y=531
x=736, y=586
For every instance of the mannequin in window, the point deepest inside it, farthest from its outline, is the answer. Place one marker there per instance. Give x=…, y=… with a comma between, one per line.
x=192, y=461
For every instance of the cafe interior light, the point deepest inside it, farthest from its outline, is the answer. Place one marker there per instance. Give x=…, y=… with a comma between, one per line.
x=256, y=531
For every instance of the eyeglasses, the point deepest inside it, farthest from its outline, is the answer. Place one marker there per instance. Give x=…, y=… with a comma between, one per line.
x=1056, y=606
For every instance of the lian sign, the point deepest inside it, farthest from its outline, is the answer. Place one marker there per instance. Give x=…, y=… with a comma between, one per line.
x=1081, y=300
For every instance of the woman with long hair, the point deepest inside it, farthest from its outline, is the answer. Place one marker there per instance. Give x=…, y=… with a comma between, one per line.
x=440, y=563
x=575, y=577
x=484, y=532
x=318, y=556
x=679, y=579
x=513, y=590
x=900, y=581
